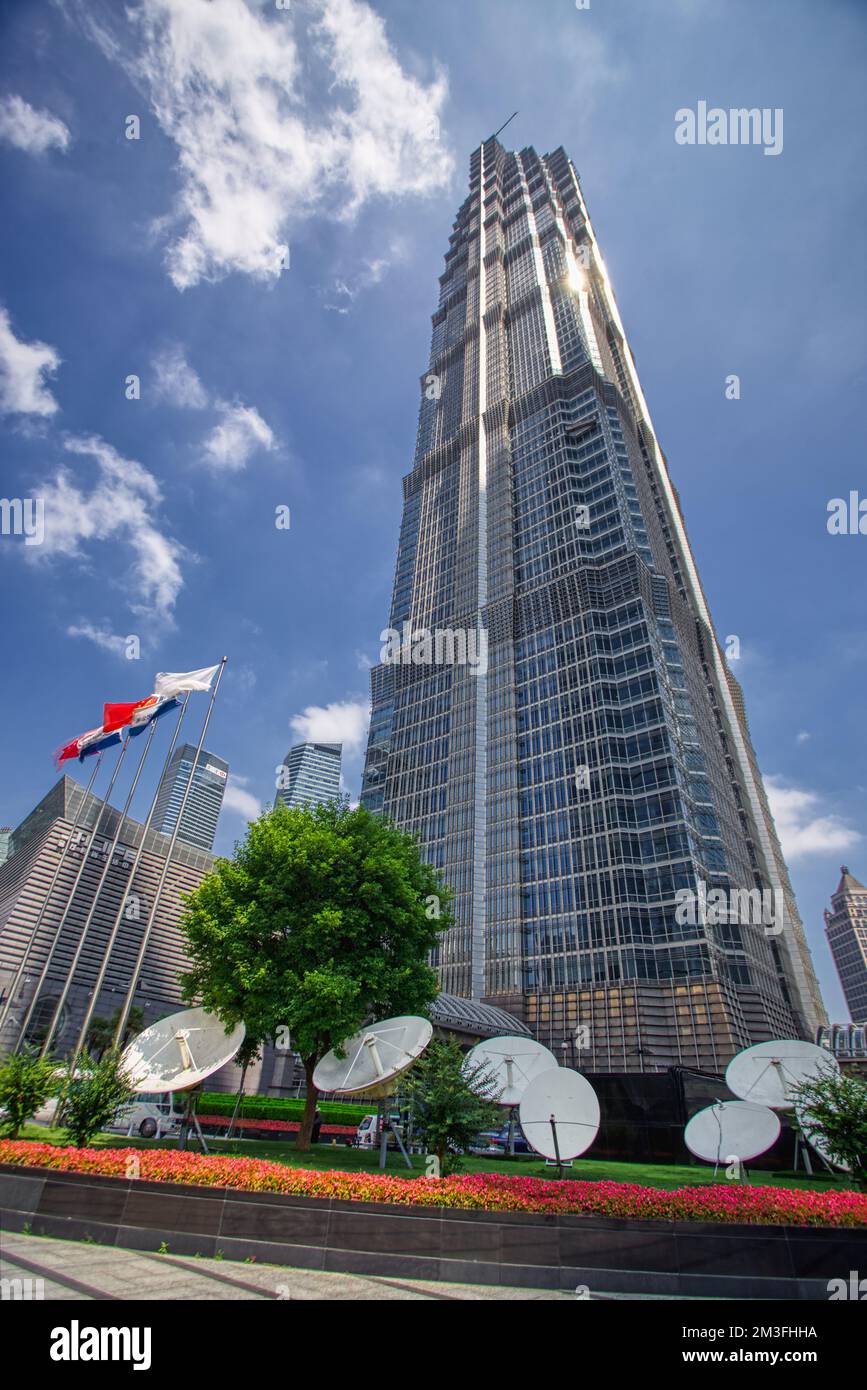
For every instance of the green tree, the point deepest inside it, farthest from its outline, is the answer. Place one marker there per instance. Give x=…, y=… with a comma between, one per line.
x=27, y=1081
x=323, y=918
x=451, y=1102
x=92, y=1094
x=834, y=1108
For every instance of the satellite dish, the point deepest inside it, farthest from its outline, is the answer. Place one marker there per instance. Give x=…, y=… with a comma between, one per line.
x=816, y=1139
x=512, y=1062
x=732, y=1129
x=180, y=1051
x=374, y=1057
x=768, y=1072
x=568, y=1098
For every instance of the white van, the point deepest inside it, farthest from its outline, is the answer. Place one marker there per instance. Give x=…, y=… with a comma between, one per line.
x=150, y=1114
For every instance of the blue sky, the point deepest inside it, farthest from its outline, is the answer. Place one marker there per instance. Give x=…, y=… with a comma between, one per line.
x=342, y=130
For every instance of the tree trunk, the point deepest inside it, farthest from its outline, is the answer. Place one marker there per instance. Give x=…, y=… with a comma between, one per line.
x=306, y=1130
x=238, y=1100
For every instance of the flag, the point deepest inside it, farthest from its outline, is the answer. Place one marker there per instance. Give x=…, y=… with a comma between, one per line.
x=117, y=716
x=148, y=713
x=171, y=683
x=94, y=741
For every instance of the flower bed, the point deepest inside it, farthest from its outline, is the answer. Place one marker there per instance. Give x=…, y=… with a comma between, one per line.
x=279, y=1126
x=478, y=1191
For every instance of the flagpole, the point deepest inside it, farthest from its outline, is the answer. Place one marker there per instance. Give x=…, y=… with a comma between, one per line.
x=71, y=895
x=64, y=993
x=4, y=1012
x=103, y=969
x=146, y=935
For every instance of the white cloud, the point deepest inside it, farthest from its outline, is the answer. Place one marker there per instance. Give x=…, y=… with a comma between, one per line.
x=343, y=722
x=802, y=737
x=122, y=507
x=23, y=367
x=347, y=289
x=102, y=637
x=277, y=116
x=236, y=798
x=27, y=129
x=239, y=434
x=176, y=381
x=802, y=827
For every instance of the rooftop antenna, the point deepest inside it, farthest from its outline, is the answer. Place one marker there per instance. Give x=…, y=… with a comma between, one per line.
x=503, y=126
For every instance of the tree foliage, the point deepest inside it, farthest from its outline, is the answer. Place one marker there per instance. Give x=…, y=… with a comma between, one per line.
x=27, y=1081
x=92, y=1093
x=451, y=1102
x=834, y=1108
x=322, y=920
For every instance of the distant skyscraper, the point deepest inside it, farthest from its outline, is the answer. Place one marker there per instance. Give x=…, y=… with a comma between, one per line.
x=5, y=842
x=558, y=723
x=312, y=774
x=846, y=930
x=202, y=811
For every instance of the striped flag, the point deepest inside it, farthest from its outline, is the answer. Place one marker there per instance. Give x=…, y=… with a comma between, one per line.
x=94, y=741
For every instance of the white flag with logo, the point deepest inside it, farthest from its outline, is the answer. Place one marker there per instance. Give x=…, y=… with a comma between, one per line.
x=168, y=684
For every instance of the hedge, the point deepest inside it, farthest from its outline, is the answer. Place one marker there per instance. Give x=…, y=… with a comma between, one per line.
x=278, y=1108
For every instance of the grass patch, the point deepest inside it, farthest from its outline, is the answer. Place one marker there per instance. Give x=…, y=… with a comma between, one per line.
x=323, y=1157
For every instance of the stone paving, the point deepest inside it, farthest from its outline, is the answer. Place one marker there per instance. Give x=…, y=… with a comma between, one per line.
x=80, y=1271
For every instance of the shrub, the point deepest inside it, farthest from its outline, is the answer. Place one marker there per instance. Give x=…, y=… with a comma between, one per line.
x=27, y=1081
x=92, y=1093
x=833, y=1107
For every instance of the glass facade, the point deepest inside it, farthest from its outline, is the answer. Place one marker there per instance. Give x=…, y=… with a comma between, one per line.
x=202, y=811
x=597, y=768
x=311, y=774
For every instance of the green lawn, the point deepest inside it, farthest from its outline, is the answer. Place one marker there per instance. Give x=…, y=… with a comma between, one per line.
x=361, y=1160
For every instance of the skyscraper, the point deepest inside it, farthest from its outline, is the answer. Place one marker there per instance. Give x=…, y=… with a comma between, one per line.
x=5, y=842
x=846, y=930
x=311, y=773
x=202, y=811
x=592, y=778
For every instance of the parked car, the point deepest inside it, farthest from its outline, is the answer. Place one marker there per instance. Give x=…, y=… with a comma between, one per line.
x=496, y=1141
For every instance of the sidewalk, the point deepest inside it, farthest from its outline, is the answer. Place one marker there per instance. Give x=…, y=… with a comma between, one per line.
x=73, y=1270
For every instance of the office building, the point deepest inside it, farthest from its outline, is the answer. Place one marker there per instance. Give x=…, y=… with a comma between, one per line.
x=202, y=811
x=552, y=713
x=846, y=932
x=25, y=880
x=5, y=842
x=310, y=774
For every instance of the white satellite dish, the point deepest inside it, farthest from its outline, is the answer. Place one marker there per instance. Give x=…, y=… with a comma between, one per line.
x=732, y=1129
x=375, y=1057
x=816, y=1139
x=512, y=1062
x=180, y=1051
x=566, y=1098
x=768, y=1072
